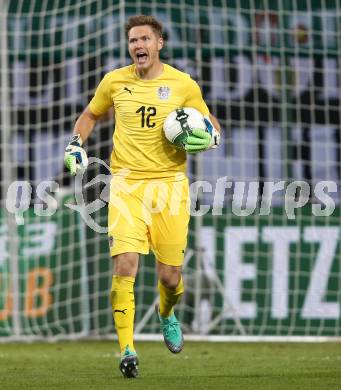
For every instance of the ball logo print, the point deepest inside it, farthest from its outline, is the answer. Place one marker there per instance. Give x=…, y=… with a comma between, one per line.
x=180, y=123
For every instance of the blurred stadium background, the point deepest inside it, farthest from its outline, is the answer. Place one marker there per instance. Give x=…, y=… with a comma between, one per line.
x=270, y=71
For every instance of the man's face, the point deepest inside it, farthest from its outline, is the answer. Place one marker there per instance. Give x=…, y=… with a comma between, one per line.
x=144, y=46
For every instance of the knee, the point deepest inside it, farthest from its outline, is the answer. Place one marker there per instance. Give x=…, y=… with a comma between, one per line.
x=126, y=264
x=170, y=280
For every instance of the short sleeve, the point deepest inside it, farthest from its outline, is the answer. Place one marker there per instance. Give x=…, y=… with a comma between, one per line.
x=101, y=102
x=194, y=97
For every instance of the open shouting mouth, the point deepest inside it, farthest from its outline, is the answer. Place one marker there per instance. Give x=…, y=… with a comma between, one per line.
x=141, y=57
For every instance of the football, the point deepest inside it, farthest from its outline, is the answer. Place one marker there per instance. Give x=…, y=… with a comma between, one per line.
x=179, y=124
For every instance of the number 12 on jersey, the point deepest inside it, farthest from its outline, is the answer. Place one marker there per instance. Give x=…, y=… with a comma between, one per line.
x=147, y=114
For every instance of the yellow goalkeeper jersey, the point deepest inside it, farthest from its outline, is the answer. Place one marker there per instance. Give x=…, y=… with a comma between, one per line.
x=141, y=107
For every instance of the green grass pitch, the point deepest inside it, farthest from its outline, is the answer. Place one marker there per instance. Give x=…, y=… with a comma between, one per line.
x=94, y=365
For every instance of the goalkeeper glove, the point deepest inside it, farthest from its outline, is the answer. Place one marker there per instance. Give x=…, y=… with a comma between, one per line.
x=201, y=140
x=75, y=158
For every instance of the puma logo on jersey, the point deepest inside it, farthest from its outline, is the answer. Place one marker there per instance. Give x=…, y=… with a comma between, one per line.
x=128, y=90
x=120, y=311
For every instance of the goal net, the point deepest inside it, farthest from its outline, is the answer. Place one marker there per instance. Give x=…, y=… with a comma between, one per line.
x=263, y=258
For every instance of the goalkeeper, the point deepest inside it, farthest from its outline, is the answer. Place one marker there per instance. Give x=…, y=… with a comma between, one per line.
x=143, y=94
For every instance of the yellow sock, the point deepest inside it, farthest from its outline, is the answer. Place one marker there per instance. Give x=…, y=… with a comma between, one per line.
x=169, y=297
x=123, y=309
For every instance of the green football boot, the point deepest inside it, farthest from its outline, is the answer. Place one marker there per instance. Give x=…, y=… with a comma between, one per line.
x=171, y=331
x=129, y=364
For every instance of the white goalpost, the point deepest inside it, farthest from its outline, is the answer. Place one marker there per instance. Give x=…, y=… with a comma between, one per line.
x=264, y=260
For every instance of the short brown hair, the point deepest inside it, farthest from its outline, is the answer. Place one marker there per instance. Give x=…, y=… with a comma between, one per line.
x=144, y=20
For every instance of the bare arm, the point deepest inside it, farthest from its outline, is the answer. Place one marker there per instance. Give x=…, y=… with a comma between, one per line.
x=215, y=123
x=85, y=124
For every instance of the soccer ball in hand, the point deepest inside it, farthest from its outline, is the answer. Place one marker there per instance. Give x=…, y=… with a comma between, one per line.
x=179, y=124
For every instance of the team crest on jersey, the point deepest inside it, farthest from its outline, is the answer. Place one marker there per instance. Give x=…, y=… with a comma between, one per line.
x=163, y=93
